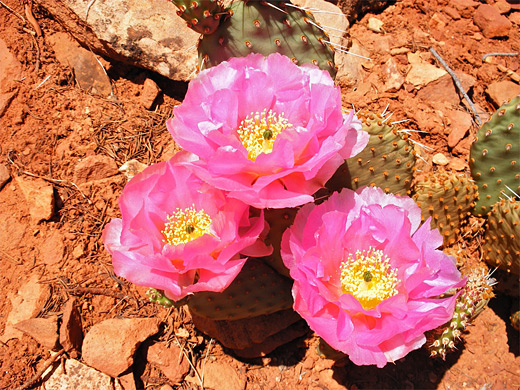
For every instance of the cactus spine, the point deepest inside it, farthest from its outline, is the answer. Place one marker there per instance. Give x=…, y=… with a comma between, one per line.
x=494, y=156
x=448, y=199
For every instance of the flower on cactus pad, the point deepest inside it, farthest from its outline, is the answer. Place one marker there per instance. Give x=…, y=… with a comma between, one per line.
x=179, y=235
x=266, y=130
x=367, y=277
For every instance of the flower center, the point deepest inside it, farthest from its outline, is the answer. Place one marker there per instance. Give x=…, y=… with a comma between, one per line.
x=186, y=225
x=369, y=278
x=259, y=131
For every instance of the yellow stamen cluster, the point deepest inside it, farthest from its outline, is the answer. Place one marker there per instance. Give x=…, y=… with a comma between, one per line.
x=259, y=131
x=186, y=225
x=369, y=277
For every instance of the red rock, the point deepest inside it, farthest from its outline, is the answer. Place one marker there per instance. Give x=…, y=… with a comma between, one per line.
x=514, y=18
x=502, y=6
x=39, y=195
x=43, y=330
x=502, y=91
x=110, y=345
x=150, y=92
x=4, y=175
x=88, y=72
x=5, y=101
x=25, y=304
x=490, y=22
x=465, y=7
x=53, y=248
x=393, y=78
x=11, y=69
x=452, y=13
x=95, y=167
x=71, y=330
x=170, y=360
x=459, y=124
x=221, y=376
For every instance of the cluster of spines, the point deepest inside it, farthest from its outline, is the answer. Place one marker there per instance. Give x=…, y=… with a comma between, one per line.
x=203, y=16
x=494, y=156
x=448, y=199
x=472, y=300
x=501, y=243
x=388, y=160
x=157, y=296
x=267, y=27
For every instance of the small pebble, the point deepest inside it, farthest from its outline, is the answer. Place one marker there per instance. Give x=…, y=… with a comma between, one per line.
x=440, y=159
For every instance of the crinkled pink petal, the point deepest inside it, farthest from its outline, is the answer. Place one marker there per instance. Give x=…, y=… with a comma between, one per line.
x=139, y=249
x=322, y=237
x=303, y=157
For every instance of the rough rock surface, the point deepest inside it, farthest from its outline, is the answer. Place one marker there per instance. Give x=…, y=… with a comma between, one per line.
x=53, y=248
x=146, y=33
x=109, y=346
x=10, y=70
x=4, y=175
x=39, y=195
x=25, y=304
x=502, y=91
x=150, y=92
x=77, y=376
x=88, y=71
x=71, y=331
x=170, y=360
x=491, y=22
x=221, y=376
x=94, y=168
x=43, y=330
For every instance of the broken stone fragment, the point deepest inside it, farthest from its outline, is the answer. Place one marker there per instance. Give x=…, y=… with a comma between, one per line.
x=43, y=330
x=5, y=176
x=109, y=346
x=132, y=168
x=170, y=360
x=149, y=93
x=71, y=330
x=491, y=22
x=25, y=304
x=75, y=375
x=95, y=167
x=39, y=195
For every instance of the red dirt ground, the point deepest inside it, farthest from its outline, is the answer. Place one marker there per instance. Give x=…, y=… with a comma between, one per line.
x=46, y=131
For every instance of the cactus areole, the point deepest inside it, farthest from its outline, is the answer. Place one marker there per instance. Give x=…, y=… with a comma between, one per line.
x=265, y=27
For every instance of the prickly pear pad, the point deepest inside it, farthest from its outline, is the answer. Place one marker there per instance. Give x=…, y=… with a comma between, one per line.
x=266, y=97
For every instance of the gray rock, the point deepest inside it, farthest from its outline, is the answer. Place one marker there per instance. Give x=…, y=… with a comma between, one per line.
x=145, y=33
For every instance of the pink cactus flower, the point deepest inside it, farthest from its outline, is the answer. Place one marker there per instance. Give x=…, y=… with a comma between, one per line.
x=367, y=277
x=266, y=130
x=179, y=235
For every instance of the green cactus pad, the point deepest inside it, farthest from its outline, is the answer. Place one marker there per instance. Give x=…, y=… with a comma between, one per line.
x=268, y=27
x=501, y=243
x=278, y=220
x=203, y=16
x=388, y=161
x=257, y=290
x=448, y=198
x=495, y=155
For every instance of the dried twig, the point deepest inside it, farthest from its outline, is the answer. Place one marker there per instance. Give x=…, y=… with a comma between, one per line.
x=12, y=11
x=30, y=17
x=499, y=55
x=31, y=382
x=457, y=83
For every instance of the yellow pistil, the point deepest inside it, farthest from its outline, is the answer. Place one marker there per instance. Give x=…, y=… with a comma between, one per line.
x=259, y=131
x=186, y=225
x=369, y=277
